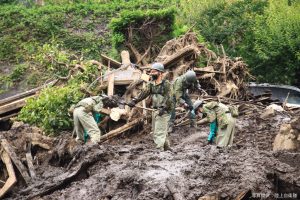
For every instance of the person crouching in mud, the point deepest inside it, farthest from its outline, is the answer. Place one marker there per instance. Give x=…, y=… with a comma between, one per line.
x=222, y=123
x=84, y=113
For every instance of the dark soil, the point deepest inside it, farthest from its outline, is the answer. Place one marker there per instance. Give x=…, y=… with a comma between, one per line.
x=129, y=167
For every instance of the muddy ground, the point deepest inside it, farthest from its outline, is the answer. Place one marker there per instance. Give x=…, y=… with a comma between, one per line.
x=129, y=167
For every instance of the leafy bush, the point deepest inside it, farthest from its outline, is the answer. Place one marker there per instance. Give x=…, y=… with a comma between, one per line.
x=49, y=110
x=16, y=75
x=275, y=56
x=265, y=33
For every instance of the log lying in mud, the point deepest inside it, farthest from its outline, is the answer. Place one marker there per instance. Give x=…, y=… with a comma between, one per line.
x=120, y=130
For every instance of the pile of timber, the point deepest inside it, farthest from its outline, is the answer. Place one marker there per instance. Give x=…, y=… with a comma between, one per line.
x=10, y=107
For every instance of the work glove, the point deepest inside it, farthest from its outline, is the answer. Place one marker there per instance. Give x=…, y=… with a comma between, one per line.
x=161, y=111
x=131, y=103
x=198, y=86
x=193, y=114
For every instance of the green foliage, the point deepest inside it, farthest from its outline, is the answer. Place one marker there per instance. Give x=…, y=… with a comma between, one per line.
x=16, y=75
x=51, y=38
x=179, y=30
x=265, y=33
x=50, y=110
x=277, y=43
x=225, y=22
x=49, y=57
x=147, y=26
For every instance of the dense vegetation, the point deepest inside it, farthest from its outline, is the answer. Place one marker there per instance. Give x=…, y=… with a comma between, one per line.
x=264, y=32
x=58, y=44
x=35, y=40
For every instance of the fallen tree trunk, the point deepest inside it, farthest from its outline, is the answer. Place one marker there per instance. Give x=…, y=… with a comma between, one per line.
x=182, y=53
x=120, y=130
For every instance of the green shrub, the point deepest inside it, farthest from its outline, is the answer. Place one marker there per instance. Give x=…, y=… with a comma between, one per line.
x=50, y=110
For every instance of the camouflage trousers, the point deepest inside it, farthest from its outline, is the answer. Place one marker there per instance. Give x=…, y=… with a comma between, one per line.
x=160, y=129
x=85, y=121
x=225, y=135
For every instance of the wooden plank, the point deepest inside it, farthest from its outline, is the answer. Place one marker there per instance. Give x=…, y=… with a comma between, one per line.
x=29, y=160
x=10, y=182
x=113, y=63
x=13, y=105
x=10, y=151
x=110, y=88
x=125, y=57
x=19, y=96
x=119, y=130
x=182, y=53
x=207, y=71
x=8, y=117
x=25, y=94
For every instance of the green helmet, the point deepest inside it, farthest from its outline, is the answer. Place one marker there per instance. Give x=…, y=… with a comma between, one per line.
x=190, y=76
x=158, y=66
x=197, y=104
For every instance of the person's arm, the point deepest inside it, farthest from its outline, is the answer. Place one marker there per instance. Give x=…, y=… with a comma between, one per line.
x=203, y=121
x=143, y=95
x=97, y=104
x=177, y=89
x=208, y=109
x=188, y=101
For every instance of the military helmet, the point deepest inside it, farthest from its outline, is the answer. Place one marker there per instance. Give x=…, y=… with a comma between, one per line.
x=197, y=103
x=158, y=66
x=190, y=76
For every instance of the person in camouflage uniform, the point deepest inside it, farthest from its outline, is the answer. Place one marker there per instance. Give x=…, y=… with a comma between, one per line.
x=181, y=97
x=159, y=90
x=83, y=116
x=221, y=122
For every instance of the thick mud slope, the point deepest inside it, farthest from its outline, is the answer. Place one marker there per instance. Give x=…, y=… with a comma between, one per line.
x=129, y=167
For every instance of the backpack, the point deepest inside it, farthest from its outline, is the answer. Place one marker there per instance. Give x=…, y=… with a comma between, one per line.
x=234, y=110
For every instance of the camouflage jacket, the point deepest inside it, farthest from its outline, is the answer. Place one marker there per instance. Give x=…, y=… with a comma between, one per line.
x=160, y=94
x=91, y=104
x=179, y=91
x=216, y=111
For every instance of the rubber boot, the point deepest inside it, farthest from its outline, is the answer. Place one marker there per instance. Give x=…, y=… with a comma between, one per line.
x=171, y=127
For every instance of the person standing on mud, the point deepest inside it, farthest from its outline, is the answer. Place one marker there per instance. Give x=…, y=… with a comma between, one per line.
x=83, y=116
x=222, y=123
x=180, y=96
x=159, y=90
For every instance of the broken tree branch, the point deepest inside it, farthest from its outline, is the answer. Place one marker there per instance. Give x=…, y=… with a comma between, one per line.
x=10, y=182
x=22, y=169
x=120, y=130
